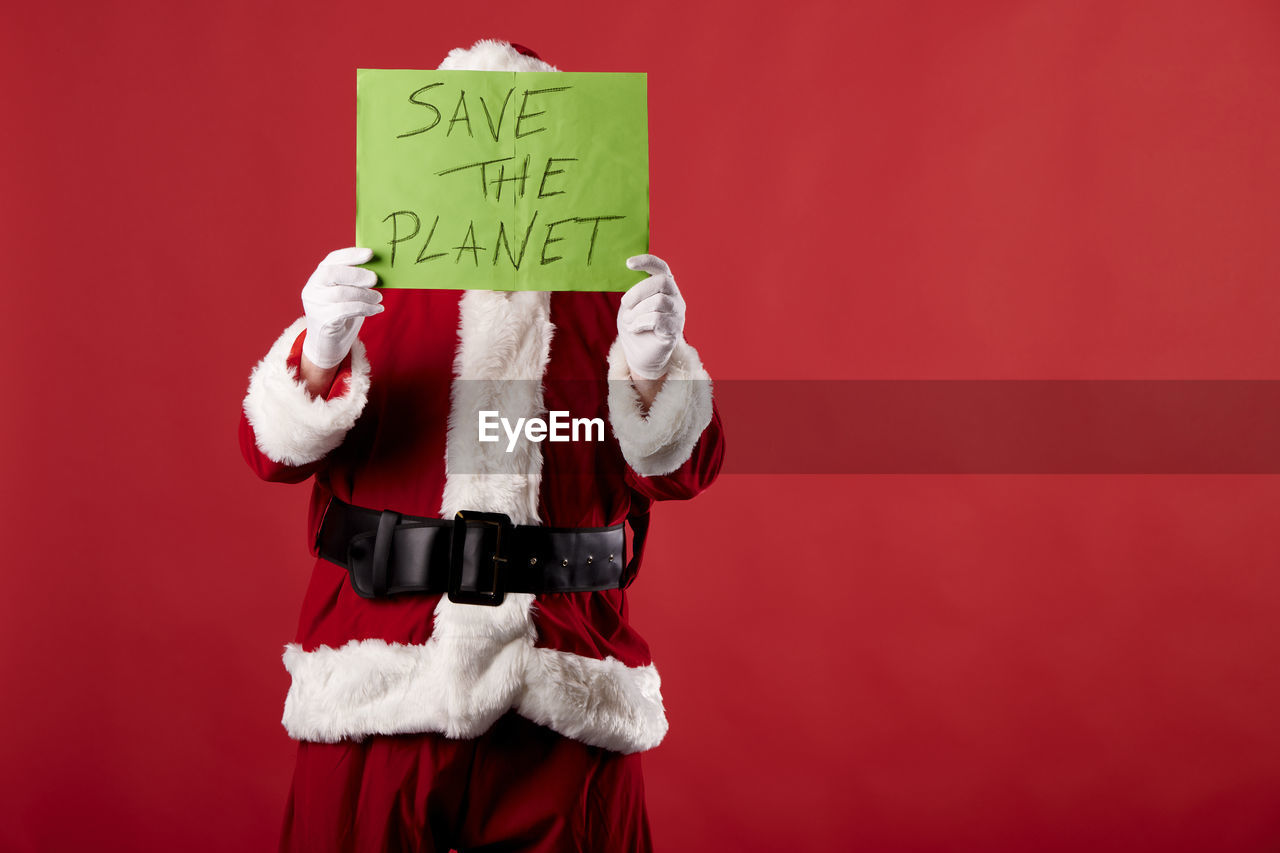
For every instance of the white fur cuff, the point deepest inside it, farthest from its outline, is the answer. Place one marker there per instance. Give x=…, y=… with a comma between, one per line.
x=662, y=440
x=290, y=426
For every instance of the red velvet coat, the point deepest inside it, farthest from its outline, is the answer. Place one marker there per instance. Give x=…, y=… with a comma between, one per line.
x=405, y=399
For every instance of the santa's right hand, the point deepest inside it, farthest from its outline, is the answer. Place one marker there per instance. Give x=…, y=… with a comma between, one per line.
x=337, y=298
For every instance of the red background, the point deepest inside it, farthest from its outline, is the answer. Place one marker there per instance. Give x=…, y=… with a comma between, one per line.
x=845, y=190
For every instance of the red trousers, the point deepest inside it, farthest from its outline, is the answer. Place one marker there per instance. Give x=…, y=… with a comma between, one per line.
x=517, y=787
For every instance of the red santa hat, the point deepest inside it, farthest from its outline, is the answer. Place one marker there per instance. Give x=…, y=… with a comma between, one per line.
x=494, y=55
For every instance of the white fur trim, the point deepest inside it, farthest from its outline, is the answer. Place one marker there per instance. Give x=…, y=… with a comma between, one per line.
x=289, y=425
x=661, y=440
x=504, y=342
x=371, y=687
x=600, y=702
x=492, y=55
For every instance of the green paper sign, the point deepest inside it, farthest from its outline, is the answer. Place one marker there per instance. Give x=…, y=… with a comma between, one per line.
x=502, y=181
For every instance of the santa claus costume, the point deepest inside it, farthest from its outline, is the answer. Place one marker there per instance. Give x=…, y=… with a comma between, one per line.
x=424, y=723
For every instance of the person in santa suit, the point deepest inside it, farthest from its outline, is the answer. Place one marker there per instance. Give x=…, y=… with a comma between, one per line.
x=457, y=684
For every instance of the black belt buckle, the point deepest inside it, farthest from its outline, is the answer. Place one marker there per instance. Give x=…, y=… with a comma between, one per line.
x=477, y=560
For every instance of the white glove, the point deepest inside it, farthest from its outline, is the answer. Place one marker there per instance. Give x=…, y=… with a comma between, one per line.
x=337, y=298
x=650, y=318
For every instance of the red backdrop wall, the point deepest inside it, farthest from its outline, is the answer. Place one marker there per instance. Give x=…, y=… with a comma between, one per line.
x=845, y=190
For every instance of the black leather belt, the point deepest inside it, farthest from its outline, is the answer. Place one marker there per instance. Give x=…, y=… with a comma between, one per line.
x=476, y=557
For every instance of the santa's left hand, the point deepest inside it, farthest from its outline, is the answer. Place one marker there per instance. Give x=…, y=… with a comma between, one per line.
x=651, y=318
